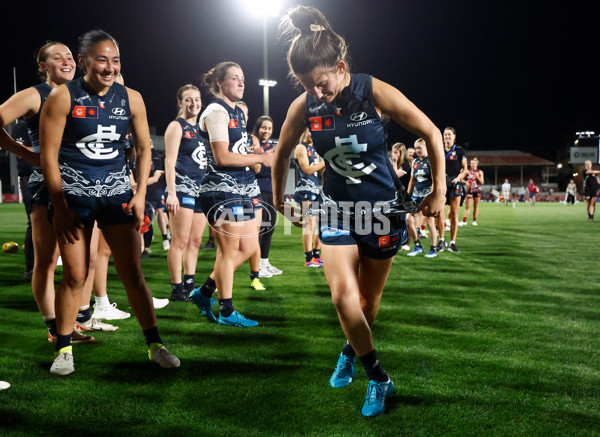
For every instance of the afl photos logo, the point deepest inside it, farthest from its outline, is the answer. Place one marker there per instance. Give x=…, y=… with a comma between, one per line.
x=93, y=146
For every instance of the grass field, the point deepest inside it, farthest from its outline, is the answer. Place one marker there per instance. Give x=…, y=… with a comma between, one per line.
x=499, y=340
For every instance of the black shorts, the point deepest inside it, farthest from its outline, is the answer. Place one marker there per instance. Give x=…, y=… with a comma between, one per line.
x=377, y=238
x=257, y=202
x=303, y=196
x=453, y=191
x=588, y=193
x=189, y=202
x=156, y=204
x=227, y=206
x=107, y=211
x=37, y=190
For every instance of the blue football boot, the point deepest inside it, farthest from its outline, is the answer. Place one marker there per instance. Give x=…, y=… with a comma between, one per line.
x=344, y=372
x=236, y=319
x=416, y=251
x=377, y=393
x=204, y=304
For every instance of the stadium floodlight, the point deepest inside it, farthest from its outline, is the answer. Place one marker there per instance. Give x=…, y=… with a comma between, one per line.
x=575, y=174
x=264, y=8
x=584, y=133
x=560, y=165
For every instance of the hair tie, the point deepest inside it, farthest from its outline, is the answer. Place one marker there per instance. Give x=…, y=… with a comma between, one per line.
x=316, y=27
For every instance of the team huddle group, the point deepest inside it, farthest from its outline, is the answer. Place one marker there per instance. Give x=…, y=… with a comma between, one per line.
x=218, y=173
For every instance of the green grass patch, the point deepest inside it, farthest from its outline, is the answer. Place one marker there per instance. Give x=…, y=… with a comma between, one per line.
x=500, y=339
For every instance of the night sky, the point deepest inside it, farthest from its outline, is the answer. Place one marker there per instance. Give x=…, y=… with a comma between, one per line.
x=505, y=74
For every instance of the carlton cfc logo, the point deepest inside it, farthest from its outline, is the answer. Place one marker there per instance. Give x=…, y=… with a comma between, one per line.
x=93, y=146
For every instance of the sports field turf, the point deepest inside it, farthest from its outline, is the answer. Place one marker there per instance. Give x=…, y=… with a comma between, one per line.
x=501, y=339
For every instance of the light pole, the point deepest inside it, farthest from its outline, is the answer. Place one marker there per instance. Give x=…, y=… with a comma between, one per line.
x=265, y=8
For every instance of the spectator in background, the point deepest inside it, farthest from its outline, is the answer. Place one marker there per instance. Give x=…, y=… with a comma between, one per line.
x=506, y=192
x=522, y=191
x=571, y=192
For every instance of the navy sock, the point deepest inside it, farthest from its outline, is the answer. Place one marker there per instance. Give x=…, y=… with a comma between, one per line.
x=316, y=253
x=188, y=282
x=373, y=367
x=308, y=256
x=348, y=350
x=253, y=275
x=209, y=287
x=418, y=243
x=165, y=237
x=84, y=315
x=226, y=307
x=51, y=325
x=62, y=341
x=152, y=336
x=177, y=288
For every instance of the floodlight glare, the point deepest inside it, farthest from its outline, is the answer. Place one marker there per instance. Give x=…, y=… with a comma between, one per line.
x=267, y=82
x=264, y=7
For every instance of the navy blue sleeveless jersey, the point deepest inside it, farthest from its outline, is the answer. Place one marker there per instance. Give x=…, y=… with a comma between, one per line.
x=349, y=135
x=91, y=157
x=308, y=182
x=190, y=167
x=263, y=177
x=33, y=123
x=422, y=174
x=238, y=180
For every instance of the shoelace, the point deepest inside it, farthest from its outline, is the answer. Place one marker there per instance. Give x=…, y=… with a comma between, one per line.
x=375, y=391
x=342, y=365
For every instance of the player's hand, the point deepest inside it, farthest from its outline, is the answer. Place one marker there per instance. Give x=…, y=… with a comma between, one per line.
x=433, y=204
x=66, y=224
x=291, y=213
x=137, y=205
x=172, y=203
x=267, y=158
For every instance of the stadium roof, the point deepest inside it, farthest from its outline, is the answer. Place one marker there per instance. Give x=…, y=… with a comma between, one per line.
x=506, y=158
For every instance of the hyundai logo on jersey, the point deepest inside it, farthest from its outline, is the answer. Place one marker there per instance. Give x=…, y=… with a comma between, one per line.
x=358, y=116
x=118, y=111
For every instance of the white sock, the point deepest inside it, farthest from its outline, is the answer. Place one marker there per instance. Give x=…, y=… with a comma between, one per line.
x=264, y=262
x=102, y=300
x=453, y=242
